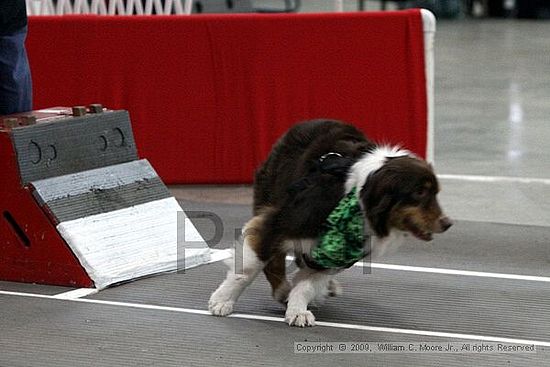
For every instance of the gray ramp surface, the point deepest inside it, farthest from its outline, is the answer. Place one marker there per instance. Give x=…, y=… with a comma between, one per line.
x=100, y=190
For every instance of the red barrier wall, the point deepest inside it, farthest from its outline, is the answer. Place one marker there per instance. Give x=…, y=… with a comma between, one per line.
x=208, y=95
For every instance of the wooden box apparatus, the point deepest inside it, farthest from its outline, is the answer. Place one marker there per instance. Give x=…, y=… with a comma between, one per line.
x=79, y=208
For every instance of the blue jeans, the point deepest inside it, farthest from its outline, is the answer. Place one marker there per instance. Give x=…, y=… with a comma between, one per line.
x=15, y=74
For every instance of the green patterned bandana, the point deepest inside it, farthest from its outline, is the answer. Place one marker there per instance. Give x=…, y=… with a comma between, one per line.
x=342, y=239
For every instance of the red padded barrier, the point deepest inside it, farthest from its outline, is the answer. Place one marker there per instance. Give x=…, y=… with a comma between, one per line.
x=208, y=95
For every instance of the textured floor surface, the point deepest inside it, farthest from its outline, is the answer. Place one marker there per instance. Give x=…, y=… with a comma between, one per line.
x=161, y=321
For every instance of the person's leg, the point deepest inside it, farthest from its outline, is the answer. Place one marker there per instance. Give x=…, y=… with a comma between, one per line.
x=15, y=75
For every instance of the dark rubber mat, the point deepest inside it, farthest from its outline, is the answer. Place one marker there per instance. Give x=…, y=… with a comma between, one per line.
x=67, y=334
x=49, y=290
x=397, y=299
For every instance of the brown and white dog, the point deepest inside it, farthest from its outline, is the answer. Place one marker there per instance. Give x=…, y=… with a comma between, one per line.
x=307, y=173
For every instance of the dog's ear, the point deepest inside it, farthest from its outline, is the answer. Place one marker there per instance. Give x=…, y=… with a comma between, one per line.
x=378, y=201
x=378, y=215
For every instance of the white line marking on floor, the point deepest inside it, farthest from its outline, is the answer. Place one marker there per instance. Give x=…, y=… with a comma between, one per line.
x=469, y=273
x=76, y=293
x=507, y=179
x=280, y=319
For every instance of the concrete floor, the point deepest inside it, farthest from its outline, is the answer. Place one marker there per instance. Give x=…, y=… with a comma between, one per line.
x=492, y=110
x=492, y=107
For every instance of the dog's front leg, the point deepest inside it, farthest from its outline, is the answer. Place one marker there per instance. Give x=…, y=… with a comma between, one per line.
x=309, y=285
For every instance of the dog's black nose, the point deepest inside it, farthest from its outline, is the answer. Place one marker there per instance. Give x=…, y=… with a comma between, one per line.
x=445, y=223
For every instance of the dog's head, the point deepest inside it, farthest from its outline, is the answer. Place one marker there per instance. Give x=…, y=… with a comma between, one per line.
x=402, y=195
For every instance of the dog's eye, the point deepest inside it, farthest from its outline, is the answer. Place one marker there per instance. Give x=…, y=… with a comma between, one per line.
x=420, y=194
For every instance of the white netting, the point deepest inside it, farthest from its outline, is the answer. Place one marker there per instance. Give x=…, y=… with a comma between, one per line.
x=109, y=7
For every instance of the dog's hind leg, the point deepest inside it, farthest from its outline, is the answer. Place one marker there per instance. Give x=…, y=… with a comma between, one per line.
x=244, y=268
x=334, y=288
x=275, y=272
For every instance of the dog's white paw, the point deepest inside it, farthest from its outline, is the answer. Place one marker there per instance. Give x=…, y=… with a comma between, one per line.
x=300, y=319
x=334, y=288
x=220, y=308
